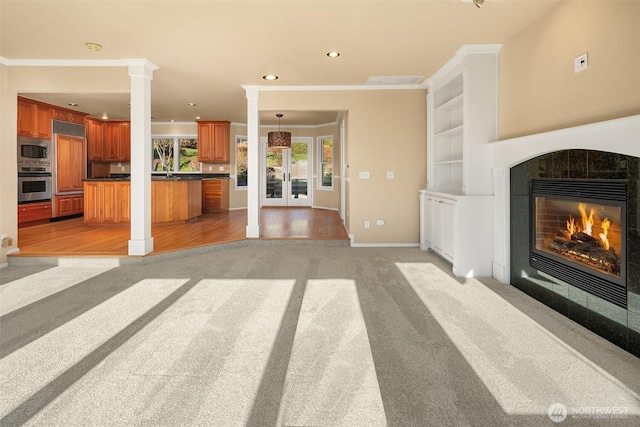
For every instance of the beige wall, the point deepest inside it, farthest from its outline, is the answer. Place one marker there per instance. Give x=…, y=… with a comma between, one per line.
x=8, y=167
x=386, y=132
x=539, y=90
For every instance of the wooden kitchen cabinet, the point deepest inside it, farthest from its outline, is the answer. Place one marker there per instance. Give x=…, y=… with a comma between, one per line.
x=215, y=195
x=105, y=203
x=71, y=204
x=72, y=168
x=213, y=141
x=34, y=119
x=33, y=213
x=69, y=116
x=94, y=129
x=117, y=141
x=175, y=200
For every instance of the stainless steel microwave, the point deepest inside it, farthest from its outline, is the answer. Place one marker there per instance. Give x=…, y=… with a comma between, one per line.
x=34, y=152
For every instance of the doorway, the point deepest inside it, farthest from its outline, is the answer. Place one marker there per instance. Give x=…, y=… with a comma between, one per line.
x=287, y=174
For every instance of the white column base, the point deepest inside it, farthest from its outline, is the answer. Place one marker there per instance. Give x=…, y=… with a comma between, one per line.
x=141, y=247
x=253, y=231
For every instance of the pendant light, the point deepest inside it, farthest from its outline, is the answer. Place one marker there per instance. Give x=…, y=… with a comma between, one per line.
x=279, y=139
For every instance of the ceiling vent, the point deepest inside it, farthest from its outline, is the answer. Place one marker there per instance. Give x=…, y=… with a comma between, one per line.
x=394, y=80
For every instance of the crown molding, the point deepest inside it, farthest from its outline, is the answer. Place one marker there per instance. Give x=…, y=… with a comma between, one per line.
x=303, y=88
x=78, y=62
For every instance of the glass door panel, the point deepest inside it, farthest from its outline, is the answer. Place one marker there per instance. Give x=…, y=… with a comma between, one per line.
x=275, y=176
x=299, y=166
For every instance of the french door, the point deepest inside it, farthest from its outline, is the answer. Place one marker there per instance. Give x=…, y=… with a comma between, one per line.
x=287, y=174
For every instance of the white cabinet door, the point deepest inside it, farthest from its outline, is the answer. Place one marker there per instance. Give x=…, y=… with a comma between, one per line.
x=443, y=227
x=448, y=228
x=426, y=221
x=439, y=225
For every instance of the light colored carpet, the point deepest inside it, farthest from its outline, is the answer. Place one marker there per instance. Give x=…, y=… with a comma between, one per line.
x=296, y=335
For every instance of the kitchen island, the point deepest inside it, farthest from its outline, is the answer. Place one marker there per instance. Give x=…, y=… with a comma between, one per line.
x=107, y=201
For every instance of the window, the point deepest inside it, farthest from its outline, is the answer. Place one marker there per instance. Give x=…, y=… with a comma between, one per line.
x=325, y=162
x=242, y=169
x=165, y=148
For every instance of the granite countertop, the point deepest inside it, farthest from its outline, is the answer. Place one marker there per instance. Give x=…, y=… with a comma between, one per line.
x=162, y=177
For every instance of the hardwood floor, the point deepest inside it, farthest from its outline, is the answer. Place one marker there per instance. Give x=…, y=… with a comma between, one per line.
x=72, y=237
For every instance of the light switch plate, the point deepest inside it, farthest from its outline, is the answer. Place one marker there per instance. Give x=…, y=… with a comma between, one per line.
x=391, y=175
x=363, y=175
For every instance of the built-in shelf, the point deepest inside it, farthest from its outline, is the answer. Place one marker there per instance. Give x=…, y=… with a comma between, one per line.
x=449, y=162
x=451, y=131
x=462, y=122
x=452, y=104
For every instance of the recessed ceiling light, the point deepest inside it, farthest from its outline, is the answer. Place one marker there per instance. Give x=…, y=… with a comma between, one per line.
x=333, y=54
x=270, y=77
x=105, y=116
x=73, y=104
x=173, y=121
x=197, y=117
x=93, y=46
x=191, y=104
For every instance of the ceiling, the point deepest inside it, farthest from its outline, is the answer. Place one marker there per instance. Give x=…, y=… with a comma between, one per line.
x=207, y=49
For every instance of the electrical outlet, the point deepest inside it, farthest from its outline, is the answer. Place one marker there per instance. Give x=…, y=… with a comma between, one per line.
x=380, y=222
x=366, y=224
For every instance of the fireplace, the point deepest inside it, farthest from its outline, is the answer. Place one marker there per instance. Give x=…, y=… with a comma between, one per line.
x=578, y=234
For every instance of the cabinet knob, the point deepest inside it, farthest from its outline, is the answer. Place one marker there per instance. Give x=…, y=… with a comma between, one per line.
x=46, y=207
x=24, y=210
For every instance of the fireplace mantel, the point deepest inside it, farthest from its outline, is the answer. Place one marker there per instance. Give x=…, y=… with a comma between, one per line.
x=621, y=136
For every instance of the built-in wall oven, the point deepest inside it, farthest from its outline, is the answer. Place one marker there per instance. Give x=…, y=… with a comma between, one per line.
x=34, y=170
x=34, y=187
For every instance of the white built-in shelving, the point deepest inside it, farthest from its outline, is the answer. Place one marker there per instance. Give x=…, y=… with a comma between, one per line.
x=462, y=120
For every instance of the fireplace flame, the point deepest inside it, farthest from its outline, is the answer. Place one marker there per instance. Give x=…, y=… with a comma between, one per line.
x=571, y=226
x=587, y=224
x=606, y=223
x=587, y=221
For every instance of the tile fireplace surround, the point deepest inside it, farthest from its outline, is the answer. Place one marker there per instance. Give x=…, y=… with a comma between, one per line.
x=605, y=150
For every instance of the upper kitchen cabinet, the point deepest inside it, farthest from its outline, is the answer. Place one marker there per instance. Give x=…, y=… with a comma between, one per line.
x=117, y=141
x=34, y=119
x=462, y=120
x=68, y=116
x=94, y=130
x=213, y=141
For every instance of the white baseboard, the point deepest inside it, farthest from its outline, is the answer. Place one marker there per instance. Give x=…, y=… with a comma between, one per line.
x=381, y=245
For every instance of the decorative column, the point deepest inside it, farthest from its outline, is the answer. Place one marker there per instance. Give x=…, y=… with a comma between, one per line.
x=253, y=162
x=141, y=73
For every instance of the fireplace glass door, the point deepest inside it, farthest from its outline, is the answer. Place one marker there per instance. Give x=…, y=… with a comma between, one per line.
x=584, y=232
